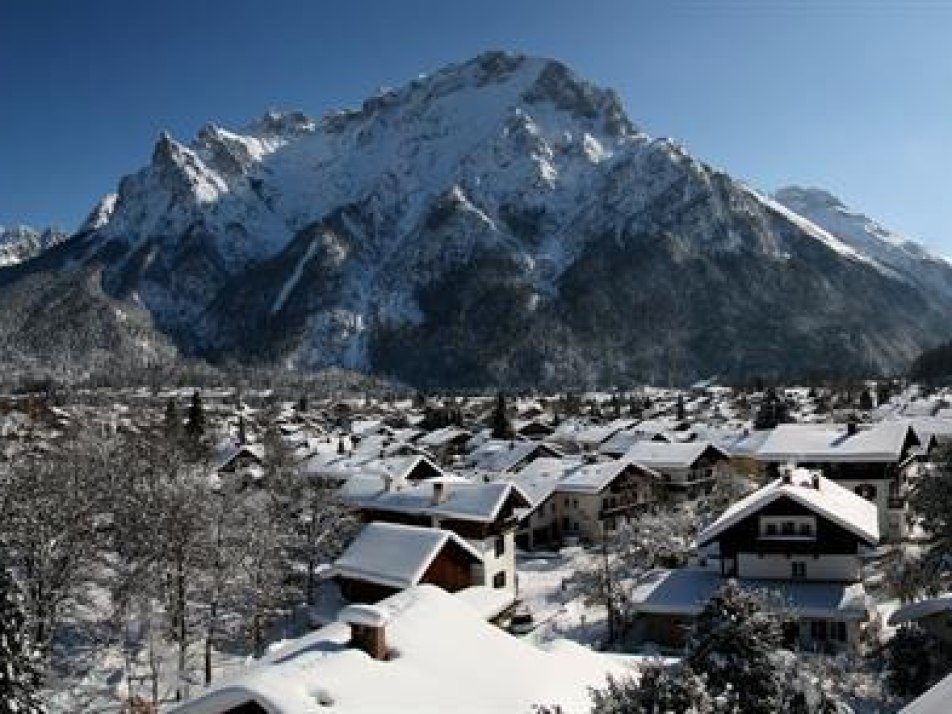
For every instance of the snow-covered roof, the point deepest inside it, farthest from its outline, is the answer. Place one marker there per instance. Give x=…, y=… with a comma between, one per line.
x=661, y=455
x=747, y=444
x=395, y=555
x=446, y=657
x=620, y=442
x=828, y=499
x=594, y=478
x=803, y=443
x=579, y=432
x=343, y=468
x=685, y=591
x=539, y=479
x=934, y=701
x=442, y=437
x=498, y=455
x=228, y=451
x=918, y=610
x=461, y=501
x=488, y=602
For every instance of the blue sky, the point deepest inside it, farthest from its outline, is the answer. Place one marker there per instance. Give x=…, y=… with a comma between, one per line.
x=851, y=95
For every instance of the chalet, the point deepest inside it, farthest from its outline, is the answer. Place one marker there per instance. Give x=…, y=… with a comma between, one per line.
x=385, y=558
x=484, y=514
x=579, y=500
x=687, y=470
x=876, y=462
x=802, y=538
x=595, y=498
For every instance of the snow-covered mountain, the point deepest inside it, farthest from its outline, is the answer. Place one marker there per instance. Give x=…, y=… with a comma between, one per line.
x=19, y=243
x=907, y=259
x=499, y=220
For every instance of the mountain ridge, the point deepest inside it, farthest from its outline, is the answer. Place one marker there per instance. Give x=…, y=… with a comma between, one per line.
x=499, y=221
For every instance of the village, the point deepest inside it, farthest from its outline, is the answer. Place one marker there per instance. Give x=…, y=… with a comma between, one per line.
x=532, y=544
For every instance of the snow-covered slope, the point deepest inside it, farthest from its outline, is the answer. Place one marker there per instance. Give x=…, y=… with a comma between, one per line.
x=911, y=261
x=500, y=219
x=21, y=243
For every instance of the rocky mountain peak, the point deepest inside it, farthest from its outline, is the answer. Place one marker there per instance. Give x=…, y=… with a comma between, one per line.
x=21, y=243
x=498, y=220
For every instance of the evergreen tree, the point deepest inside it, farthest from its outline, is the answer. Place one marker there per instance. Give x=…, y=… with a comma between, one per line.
x=773, y=411
x=19, y=662
x=242, y=431
x=883, y=393
x=866, y=400
x=501, y=426
x=732, y=644
x=931, y=503
x=680, y=408
x=657, y=690
x=195, y=423
x=913, y=662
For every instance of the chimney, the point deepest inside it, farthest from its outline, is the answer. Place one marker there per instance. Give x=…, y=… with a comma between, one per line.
x=815, y=481
x=368, y=629
x=439, y=493
x=787, y=477
x=851, y=427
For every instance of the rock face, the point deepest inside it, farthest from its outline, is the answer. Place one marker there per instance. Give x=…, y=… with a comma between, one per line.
x=499, y=221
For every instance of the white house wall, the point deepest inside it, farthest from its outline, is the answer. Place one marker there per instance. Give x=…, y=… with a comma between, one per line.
x=772, y=566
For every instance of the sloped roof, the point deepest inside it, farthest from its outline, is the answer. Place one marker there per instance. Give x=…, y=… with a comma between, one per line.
x=686, y=590
x=395, y=555
x=804, y=443
x=923, y=608
x=463, y=501
x=593, y=478
x=443, y=436
x=499, y=455
x=934, y=701
x=446, y=658
x=539, y=479
x=662, y=455
x=620, y=442
x=830, y=500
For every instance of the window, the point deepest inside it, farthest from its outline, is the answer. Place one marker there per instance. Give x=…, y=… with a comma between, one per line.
x=805, y=529
x=499, y=579
x=799, y=569
x=771, y=529
x=788, y=528
x=500, y=545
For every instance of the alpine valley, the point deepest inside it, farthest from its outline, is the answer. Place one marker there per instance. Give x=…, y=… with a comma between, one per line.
x=501, y=221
